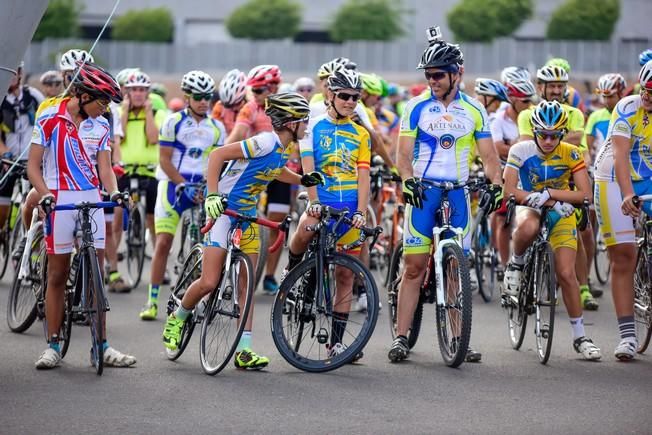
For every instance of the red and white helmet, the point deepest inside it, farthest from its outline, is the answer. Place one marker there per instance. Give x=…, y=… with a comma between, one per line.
x=609, y=84
x=520, y=89
x=645, y=76
x=233, y=87
x=264, y=75
x=95, y=81
x=138, y=79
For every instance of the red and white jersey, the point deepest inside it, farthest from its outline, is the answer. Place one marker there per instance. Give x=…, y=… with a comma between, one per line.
x=70, y=154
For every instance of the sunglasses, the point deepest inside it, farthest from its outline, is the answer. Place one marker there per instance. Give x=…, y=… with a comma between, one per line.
x=525, y=100
x=647, y=93
x=543, y=135
x=304, y=89
x=200, y=97
x=258, y=91
x=346, y=97
x=435, y=76
x=52, y=83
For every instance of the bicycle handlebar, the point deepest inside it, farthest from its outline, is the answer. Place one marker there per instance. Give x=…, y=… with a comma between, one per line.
x=86, y=205
x=341, y=216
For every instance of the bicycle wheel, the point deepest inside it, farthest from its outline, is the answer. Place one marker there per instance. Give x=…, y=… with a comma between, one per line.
x=136, y=244
x=395, y=273
x=517, y=316
x=24, y=293
x=262, y=256
x=454, y=313
x=302, y=322
x=17, y=234
x=190, y=271
x=642, y=301
x=545, y=300
x=601, y=262
x=5, y=250
x=95, y=307
x=481, y=256
x=224, y=319
x=185, y=243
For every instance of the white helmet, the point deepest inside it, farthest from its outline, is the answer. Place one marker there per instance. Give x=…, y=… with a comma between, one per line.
x=137, y=79
x=304, y=82
x=552, y=73
x=197, y=82
x=645, y=76
x=344, y=79
x=609, y=84
x=284, y=88
x=123, y=74
x=233, y=87
x=514, y=74
x=70, y=58
x=50, y=77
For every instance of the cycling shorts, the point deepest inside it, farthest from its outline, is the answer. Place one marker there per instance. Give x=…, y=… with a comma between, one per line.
x=217, y=236
x=278, y=197
x=419, y=223
x=149, y=184
x=168, y=210
x=616, y=228
x=562, y=232
x=346, y=234
x=64, y=223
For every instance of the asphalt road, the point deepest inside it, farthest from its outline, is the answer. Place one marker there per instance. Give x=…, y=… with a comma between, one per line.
x=508, y=392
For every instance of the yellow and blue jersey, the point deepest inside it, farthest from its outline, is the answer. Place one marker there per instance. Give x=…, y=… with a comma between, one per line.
x=444, y=136
x=631, y=121
x=244, y=179
x=339, y=149
x=597, y=126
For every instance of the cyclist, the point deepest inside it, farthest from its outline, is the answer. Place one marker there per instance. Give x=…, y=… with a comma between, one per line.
x=305, y=86
x=544, y=167
x=611, y=88
x=571, y=96
x=438, y=129
x=623, y=171
x=73, y=127
x=232, y=92
x=492, y=94
x=52, y=82
x=253, y=163
x=338, y=148
x=186, y=139
x=141, y=123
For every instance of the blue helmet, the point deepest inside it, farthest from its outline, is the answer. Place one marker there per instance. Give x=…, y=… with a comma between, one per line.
x=645, y=56
x=491, y=88
x=549, y=115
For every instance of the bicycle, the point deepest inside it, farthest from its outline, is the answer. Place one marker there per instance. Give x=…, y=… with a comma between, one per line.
x=192, y=220
x=601, y=263
x=643, y=282
x=137, y=236
x=12, y=231
x=85, y=295
x=307, y=298
x=223, y=305
x=447, y=282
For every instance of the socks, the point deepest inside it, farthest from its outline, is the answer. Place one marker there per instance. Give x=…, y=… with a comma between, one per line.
x=584, y=288
x=181, y=313
x=245, y=341
x=627, y=328
x=518, y=259
x=339, y=325
x=577, y=325
x=105, y=345
x=54, y=343
x=153, y=293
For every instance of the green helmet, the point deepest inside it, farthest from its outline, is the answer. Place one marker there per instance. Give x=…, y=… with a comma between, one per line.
x=372, y=84
x=560, y=62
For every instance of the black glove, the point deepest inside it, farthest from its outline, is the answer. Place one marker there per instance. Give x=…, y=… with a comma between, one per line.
x=491, y=198
x=413, y=192
x=312, y=179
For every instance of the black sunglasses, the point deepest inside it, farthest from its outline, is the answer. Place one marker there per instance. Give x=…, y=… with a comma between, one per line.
x=57, y=83
x=258, y=91
x=199, y=97
x=346, y=97
x=435, y=76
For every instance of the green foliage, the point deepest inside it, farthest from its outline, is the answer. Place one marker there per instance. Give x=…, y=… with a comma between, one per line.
x=484, y=20
x=584, y=20
x=61, y=20
x=152, y=25
x=265, y=19
x=369, y=20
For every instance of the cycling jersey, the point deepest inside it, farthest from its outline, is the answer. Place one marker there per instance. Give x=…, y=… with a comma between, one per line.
x=575, y=121
x=191, y=141
x=243, y=180
x=225, y=115
x=318, y=108
x=134, y=147
x=253, y=116
x=339, y=148
x=574, y=98
x=388, y=121
x=70, y=154
x=597, y=126
x=444, y=136
x=503, y=128
x=631, y=121
x=538, y=171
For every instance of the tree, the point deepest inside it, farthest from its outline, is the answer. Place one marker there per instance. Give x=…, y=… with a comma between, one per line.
x=61, y=20
x=484, y=20
x=584, y=19
x=265, y=19
x=153, y=25
x=370, y=20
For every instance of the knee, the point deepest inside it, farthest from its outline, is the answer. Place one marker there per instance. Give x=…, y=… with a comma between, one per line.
x=163, y=245
x=57, y=277
x=566, y=276
x=414, y=271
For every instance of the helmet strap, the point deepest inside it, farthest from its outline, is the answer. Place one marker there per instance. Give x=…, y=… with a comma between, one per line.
x=198, y=115
x=332, y=104
x=450, y=89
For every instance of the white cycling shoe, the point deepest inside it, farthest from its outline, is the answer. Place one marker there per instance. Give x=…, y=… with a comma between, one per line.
x=588, y=350
x=626, y=349
x=49, y=359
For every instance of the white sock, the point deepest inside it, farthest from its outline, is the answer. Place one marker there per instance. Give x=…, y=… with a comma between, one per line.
x=518, y=259
x=577, y=324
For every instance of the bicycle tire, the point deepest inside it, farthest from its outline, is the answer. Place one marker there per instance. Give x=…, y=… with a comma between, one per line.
x=453, y=350
x=517, y=317
x=183, y=241
x=545, y=300
x=17, y=234
x=95, y=308
x=642, y=301
x=392, y=298
x=601, y=262
x=263, y=233
x=190, y=271
x=291, y=304
x=22, y=294
x=215, y=308
x=4, y=248
x=136, y=244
